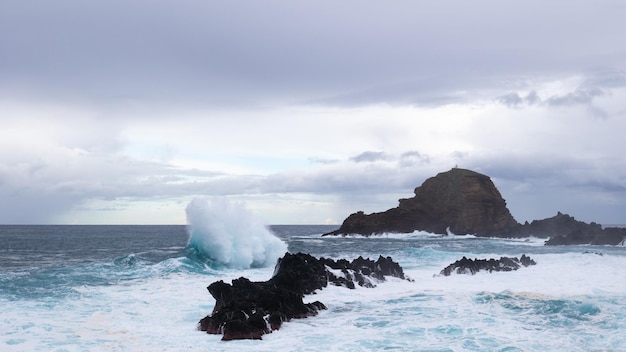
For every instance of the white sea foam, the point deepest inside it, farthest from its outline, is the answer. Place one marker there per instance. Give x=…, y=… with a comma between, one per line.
x=412, y=235
x=229, y=233
x=568, y=301
x=556, y=274
x=526, y=241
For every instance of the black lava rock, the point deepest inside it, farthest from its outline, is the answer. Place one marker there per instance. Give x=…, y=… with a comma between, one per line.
x=472, y=266
x=248, y=310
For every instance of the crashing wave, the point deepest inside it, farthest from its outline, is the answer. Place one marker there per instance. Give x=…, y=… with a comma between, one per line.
x=228, y=233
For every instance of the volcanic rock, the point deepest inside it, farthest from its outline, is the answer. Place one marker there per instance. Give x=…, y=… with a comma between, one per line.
x=564, y=229
x=465, y=202
x=610, y=236
x=247, y=310
x=459, y=201
x=560, y=224
x=472, y=266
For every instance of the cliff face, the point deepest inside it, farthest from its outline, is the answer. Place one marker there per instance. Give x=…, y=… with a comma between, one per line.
x=460, y=200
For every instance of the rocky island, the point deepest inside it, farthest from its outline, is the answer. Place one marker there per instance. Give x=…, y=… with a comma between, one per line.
x=462, y=201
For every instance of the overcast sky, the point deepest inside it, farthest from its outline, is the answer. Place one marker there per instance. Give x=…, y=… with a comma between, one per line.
x=123, y=111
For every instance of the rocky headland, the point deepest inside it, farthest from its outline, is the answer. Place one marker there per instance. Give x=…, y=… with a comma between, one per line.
x=248, y=310
x=462, y=201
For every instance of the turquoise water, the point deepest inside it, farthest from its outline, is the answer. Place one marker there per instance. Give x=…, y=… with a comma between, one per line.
x=139, y=288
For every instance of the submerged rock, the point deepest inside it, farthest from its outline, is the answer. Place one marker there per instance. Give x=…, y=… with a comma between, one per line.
x=248, y=310
x=472, y=266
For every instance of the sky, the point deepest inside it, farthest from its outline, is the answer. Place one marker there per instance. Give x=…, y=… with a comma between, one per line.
x=122, y=112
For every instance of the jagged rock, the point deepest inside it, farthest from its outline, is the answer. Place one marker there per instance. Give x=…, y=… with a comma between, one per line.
x=365, y=272
x=564, y=229
x=472, y=266
x=248, y=310
x=560, y=224
x=459, y=200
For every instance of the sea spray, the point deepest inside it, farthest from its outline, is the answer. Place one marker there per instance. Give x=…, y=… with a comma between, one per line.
x=230, y=234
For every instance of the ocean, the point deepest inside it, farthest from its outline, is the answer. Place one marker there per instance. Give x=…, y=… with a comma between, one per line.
x=143, y=288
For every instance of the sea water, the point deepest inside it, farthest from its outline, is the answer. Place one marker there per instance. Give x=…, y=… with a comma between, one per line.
x=143, y=288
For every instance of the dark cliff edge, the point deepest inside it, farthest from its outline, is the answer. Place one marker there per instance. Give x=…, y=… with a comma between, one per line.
x=462, y=201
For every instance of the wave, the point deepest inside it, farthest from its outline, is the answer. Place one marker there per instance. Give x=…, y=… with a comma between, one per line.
x=525, y=241
x=418, y=235
x=230, y=234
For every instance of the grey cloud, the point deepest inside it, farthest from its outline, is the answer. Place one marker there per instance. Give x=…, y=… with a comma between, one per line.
x=344, y=180
x=427, y=91
x=248, y=54
x=397, y=174
x=413, y=158
x=370, y=156
x=37, y=191
x=596, y=84
x=459, y=155
x=597, y=112
x=324, y=161
x=33, y=206
x=582, y=96
x=376, y=185
x=119, y=55
x=510, y=100
x=606, y=78
x=532, y=98
x=551, y=172
x=616, y=186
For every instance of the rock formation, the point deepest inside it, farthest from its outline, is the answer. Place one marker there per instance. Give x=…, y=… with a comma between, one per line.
x=472, y=266
x=247, y=310
x=466, y=202
x=459, y=200
x=563, y=229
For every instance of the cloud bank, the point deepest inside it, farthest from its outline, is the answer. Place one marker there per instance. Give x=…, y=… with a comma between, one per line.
x=123, y=112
